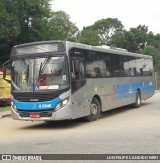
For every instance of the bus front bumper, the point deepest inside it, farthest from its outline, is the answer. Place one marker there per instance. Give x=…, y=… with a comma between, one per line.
x=61, y=114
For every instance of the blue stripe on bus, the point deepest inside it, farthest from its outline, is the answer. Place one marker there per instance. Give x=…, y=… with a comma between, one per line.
x=129, y=90
x=46, y=105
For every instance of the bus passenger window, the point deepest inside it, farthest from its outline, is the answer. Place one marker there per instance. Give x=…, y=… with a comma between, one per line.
x=77, y=69
x=81, y=72
x=97, y=71
x=78, y=73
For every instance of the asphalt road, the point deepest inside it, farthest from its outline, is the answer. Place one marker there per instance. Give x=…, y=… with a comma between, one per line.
x=120, y=131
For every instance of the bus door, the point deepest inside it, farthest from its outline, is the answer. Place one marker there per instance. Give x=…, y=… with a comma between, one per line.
x=78, y=85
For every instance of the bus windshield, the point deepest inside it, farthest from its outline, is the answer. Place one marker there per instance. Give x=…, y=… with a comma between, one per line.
x=40, y=74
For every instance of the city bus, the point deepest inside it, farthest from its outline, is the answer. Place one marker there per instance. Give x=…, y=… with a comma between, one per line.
x=62, y=80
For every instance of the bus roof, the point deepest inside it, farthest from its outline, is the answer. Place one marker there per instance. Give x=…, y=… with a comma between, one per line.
x=101, y=48
x=107, y=49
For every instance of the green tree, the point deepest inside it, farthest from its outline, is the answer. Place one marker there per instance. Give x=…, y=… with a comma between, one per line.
x=89, y=36
x=22, y=21
x=9, y=29
x=9, y=26
x=154, y=40
x=150, y=50
x=133, y=40
x=60, y=27
x=119, y=40
x=32, y=16
x=107, y=28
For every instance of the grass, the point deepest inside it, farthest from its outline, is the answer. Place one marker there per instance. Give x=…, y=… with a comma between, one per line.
x=2, y=109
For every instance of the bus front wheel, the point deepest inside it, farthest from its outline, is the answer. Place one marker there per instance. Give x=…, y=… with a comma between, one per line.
x=137, y=103
x=94, y=111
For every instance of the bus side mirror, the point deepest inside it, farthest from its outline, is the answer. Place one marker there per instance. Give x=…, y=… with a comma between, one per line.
x=4, y=72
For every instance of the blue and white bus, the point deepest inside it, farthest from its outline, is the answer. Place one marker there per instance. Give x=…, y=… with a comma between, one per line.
x=58, y=80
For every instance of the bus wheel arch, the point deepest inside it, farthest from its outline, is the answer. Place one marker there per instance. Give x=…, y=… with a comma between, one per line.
x=95, y=109
x=99, y=100
x=137, y=102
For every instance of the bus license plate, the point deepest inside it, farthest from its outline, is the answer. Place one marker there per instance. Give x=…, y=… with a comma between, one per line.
x=34, y=115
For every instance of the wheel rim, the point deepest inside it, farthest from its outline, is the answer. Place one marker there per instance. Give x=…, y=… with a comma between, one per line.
x=94, y=109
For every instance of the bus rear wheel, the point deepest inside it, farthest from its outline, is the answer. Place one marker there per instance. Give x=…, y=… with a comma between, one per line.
x=137, y=103
x=94, y=111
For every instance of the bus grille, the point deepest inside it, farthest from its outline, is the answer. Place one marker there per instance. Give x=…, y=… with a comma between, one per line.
x=26, y=114
x=34, y=97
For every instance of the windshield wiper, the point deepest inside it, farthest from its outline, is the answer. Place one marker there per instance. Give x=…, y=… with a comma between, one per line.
x=15, y=86
x=44, y=65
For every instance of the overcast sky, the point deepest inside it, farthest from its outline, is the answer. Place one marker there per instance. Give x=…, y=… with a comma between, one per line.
x=130, y=12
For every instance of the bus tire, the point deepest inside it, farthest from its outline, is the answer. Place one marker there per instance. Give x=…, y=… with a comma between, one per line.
x=137, y=103
x=94, y=111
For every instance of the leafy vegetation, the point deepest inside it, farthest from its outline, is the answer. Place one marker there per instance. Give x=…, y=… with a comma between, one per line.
x=2, y=109
x=23, y=21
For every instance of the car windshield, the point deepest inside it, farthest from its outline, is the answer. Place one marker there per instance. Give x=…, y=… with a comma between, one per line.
x=40, y=74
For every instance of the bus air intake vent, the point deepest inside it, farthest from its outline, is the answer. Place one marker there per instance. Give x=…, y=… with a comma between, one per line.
x=34, y=97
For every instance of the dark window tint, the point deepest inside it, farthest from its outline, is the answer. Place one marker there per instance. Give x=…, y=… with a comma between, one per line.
x=105, y=67
x=117, y=67
x=100, y=64
x=92, y=65
x=78, y=73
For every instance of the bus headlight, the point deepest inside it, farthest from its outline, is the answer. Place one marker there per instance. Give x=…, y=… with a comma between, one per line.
x=61, y=104
x=13, y=106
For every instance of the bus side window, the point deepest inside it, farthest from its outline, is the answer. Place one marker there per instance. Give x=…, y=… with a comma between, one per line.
x=104, y=62
x=73, y=76
x=82, y=72
x=77, y=69
x=78, y=73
